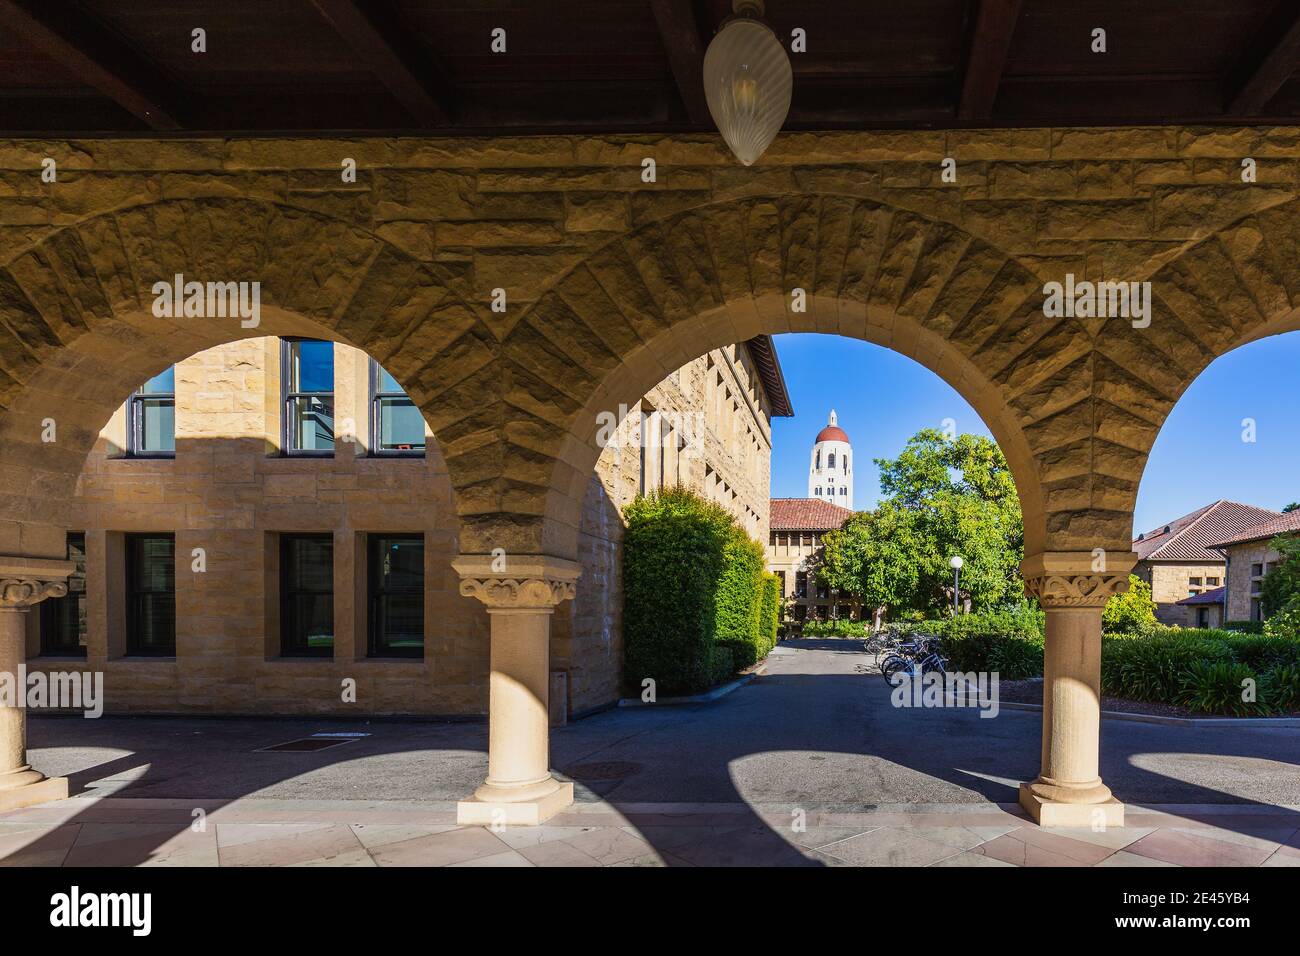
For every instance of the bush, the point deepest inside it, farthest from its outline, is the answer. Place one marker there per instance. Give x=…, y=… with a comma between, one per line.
x=739, y=598
x=1286, y=622
x=1279, y=689
x=1247, y=627
x=743, y=654
x=1152, y=667
x=721, y=664
x=1131, y=612
x=769, y=618
x=1216, y=687
x=673, y=555
x=839, y=627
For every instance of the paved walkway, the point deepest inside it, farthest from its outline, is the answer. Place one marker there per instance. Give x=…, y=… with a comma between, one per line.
x=808, y=765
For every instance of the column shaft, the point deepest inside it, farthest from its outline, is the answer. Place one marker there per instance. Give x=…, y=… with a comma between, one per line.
x=14, y=771
x=518, y=730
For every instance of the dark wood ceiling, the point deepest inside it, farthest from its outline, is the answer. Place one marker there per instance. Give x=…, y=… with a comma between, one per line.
x=126, y=66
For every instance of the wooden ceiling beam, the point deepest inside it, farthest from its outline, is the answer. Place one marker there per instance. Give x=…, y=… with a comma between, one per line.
x=379, y=41
x=681, y=37
x=96, y=58
x=1262, y=74
x=995, y=25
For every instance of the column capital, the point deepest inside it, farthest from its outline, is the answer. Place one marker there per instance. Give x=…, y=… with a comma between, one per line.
x=525, y=582
x=1077, y=579
x=27, y=581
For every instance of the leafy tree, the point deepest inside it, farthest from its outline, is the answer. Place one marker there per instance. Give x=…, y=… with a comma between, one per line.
x=1130, y=612
x=1293, y=506
x=1282, y=583
x=942, y=497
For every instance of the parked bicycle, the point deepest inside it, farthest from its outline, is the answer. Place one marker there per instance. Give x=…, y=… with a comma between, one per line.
x=915, y=658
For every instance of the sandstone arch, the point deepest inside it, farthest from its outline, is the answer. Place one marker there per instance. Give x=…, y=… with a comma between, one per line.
x=77, y=331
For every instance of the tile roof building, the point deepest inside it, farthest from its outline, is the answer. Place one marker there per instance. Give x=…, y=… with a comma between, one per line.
x=1250, y=555
x=1179, y=559
x=793, y=552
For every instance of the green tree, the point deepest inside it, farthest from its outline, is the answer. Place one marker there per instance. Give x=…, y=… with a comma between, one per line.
x=1130, y=612
x=1282, y=583
x=1293, y=506
x=942, y=497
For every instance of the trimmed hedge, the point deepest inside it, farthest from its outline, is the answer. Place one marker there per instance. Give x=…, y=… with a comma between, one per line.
x=697, y=602
x=673, y=554
x=1247, y=627
x=837, y=627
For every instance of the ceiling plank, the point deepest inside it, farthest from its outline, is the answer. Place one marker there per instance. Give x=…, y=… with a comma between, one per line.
x=378, y=39
x=995, y=25
x=96, y=58
x=1263, y=74
x=681, y=38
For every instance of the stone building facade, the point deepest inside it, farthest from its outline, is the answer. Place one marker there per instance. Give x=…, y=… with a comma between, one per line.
x=1179, y=560
x=208, y=460
x=794, y=547
x=1250, y=555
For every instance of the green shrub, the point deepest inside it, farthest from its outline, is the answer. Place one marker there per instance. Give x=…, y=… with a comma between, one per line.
x=1015, y=658
x=743, y=653
x=839, y=627
x=1279, y=689
x=1152, y=668
x=1247, y=627
x=1215, y=687
x=769, y=619
x=1285, y=623
x=1130, y=612
x=721, y=664
x=673, y=555
x=739, y=599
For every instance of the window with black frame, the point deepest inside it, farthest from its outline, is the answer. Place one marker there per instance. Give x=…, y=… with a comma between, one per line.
x=151, y=595
x=396, y=595
x=307, y=595
x=63, y=620
x=307, y=384
x=151, y=417
x=396, y=425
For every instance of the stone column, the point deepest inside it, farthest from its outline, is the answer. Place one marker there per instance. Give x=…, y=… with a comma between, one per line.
x=1072, y=588
x=520, y=593
x=24, y=583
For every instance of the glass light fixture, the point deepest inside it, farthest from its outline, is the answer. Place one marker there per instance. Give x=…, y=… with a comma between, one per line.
x=747, y=82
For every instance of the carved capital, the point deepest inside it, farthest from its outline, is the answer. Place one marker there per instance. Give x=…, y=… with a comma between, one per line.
x=22, y=593
x=1072, y=579
x=526, y=582
x=28, y=581
x=1078, y=590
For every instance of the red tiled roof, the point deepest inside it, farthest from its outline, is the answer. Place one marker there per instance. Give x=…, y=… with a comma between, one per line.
x=1268, y=528
x=1190, y=537
x=807, y=514
x=832, y=433
x=1205, y=597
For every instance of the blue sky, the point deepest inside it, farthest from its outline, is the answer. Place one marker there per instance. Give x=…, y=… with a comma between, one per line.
x=883, y=399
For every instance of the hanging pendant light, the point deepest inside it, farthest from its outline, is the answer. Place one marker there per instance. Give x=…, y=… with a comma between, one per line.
x=747, y=82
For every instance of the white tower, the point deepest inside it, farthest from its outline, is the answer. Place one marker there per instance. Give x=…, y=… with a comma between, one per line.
x=830, y=470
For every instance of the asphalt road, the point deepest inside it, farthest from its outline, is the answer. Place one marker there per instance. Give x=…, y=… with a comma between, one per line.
x=817, y=730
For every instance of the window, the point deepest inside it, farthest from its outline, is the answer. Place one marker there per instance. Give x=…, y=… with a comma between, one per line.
x=1195, y=582
x=307, y=595
x=1256, y=570
x=151, y=595
x=801, y=584
x=151, y=417
x=844, y=490
x=830, y=460
x=1212, y=582
x=396, y=595
x=396, y=425
x=307, y=382
x=63, y=620
x=823, y=589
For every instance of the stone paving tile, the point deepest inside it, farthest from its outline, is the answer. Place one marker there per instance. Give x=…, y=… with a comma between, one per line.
x=1030, y=846
x=741, y=846
x=1282, y=858
x=1261, y=838
x=353, y=858
x=966, y=858
x=371, y=835
x=656, y=859
x=441, y=849
x=890, y=846
x=1189, y=849
x=508, y=858
x=519, y=837
x=143, y=844
x=609, y=845
x=815, y=837
x=556, y=853
x=34, y=844
x=282, y=844
x=1125, y=858
x=961, y=838
x=1113, y=838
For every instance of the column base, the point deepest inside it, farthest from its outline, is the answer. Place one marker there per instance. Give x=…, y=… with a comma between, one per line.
x=500, y=806
x=1105, y=814
x=42, y=790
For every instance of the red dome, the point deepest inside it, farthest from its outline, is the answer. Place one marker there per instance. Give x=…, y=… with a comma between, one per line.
x=832, y=433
